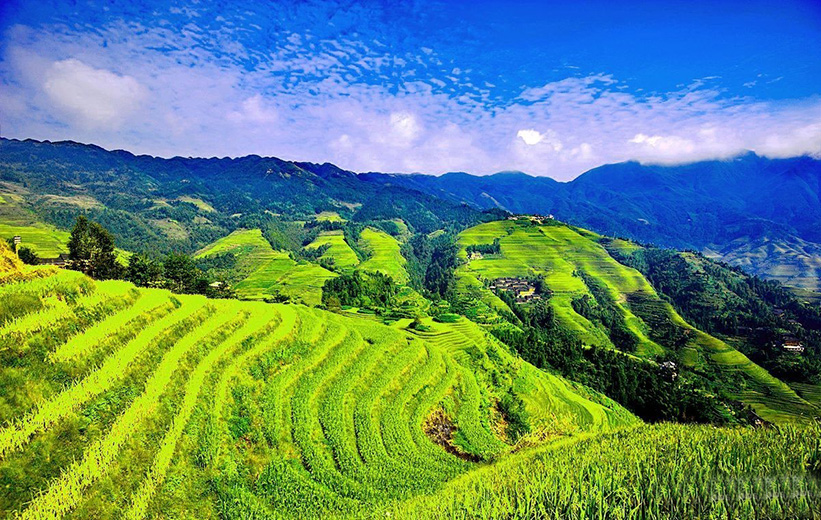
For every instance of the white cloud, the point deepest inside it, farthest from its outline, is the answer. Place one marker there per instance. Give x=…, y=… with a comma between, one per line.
x=405, y=127
x=341, y=101
x=255, y=109
x=92, y=97
x=661, y=147
x=530, y=137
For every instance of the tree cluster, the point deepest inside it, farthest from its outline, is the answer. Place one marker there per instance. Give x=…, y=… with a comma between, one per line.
x=371, y=290
x=485, y=249
x=91, y=250
x=641, y=386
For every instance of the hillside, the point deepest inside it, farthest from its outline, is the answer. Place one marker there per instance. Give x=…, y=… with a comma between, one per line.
x=788, y=259
x=186, y=203
x=761, y=214
x=733, y=207
x=604, y=303
x=256, y=271
x=141, y=401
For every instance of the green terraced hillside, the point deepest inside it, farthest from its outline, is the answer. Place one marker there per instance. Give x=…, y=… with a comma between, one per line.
x=118, y=402
x=45, y=240
x=247, y=246
x=385, y=256
x=343, y=256
x=566, y=257
x=260, y=272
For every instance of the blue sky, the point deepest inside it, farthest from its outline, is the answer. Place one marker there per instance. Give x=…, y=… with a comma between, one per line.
x=550, y=88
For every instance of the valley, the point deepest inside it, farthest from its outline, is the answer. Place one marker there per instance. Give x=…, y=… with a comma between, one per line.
x=395, y=355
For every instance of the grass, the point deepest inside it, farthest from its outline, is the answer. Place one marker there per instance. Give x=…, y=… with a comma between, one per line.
x=811, y=393
x=559, y=252
x=46, y=241
x=343, y=256
x=199, y=203
x=171, y=228
x=174, y=404
x=329, y=216
x=385, y=256
x=660, y=471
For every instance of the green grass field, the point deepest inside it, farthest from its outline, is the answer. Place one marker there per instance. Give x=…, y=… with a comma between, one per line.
x=199, y=203
x=558, y=252
x=125, y=402
x=46, y=241
x=385, y=256
x=260, y=271
x=660, y=471
x=339, y=250
x=329, y=216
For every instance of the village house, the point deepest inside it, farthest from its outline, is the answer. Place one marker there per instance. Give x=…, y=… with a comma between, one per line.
x=60, y=261
x=792, y=344
x=541, y=218
x=522, y=289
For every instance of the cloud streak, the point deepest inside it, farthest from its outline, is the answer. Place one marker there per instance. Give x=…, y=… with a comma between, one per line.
x=172, y=88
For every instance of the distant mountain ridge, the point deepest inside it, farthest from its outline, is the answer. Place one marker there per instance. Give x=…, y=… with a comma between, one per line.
x=722, y=207
x=716, y=206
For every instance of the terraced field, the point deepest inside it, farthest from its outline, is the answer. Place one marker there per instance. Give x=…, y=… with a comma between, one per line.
x=553, y=403
x=329, y=216
x=339, y=250
x=559, y=253
x=302, y=280
x=248, y=246
x=659, y=471
x=44, y=240
x=125, y=402
x=260, y=271
x=385, y=255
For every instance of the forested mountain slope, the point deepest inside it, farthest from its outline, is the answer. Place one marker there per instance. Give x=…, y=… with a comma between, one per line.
x=758, y=213
x=726, y=206
x=186, y=203
x=592, y=299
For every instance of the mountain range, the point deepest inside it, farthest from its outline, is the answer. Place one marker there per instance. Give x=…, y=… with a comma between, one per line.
x=759, y=213
x=754, y=212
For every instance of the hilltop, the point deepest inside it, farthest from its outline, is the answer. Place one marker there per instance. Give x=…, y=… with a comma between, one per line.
x=758, y=213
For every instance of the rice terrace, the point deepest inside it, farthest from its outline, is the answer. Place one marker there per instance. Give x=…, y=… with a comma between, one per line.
x=410, y=260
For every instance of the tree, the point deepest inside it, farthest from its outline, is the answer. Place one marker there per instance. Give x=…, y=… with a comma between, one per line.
x=25, y=254
x=182, y=275
x=91, y=250
x=372, y=290
x=439, y=278
x=144, y=271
